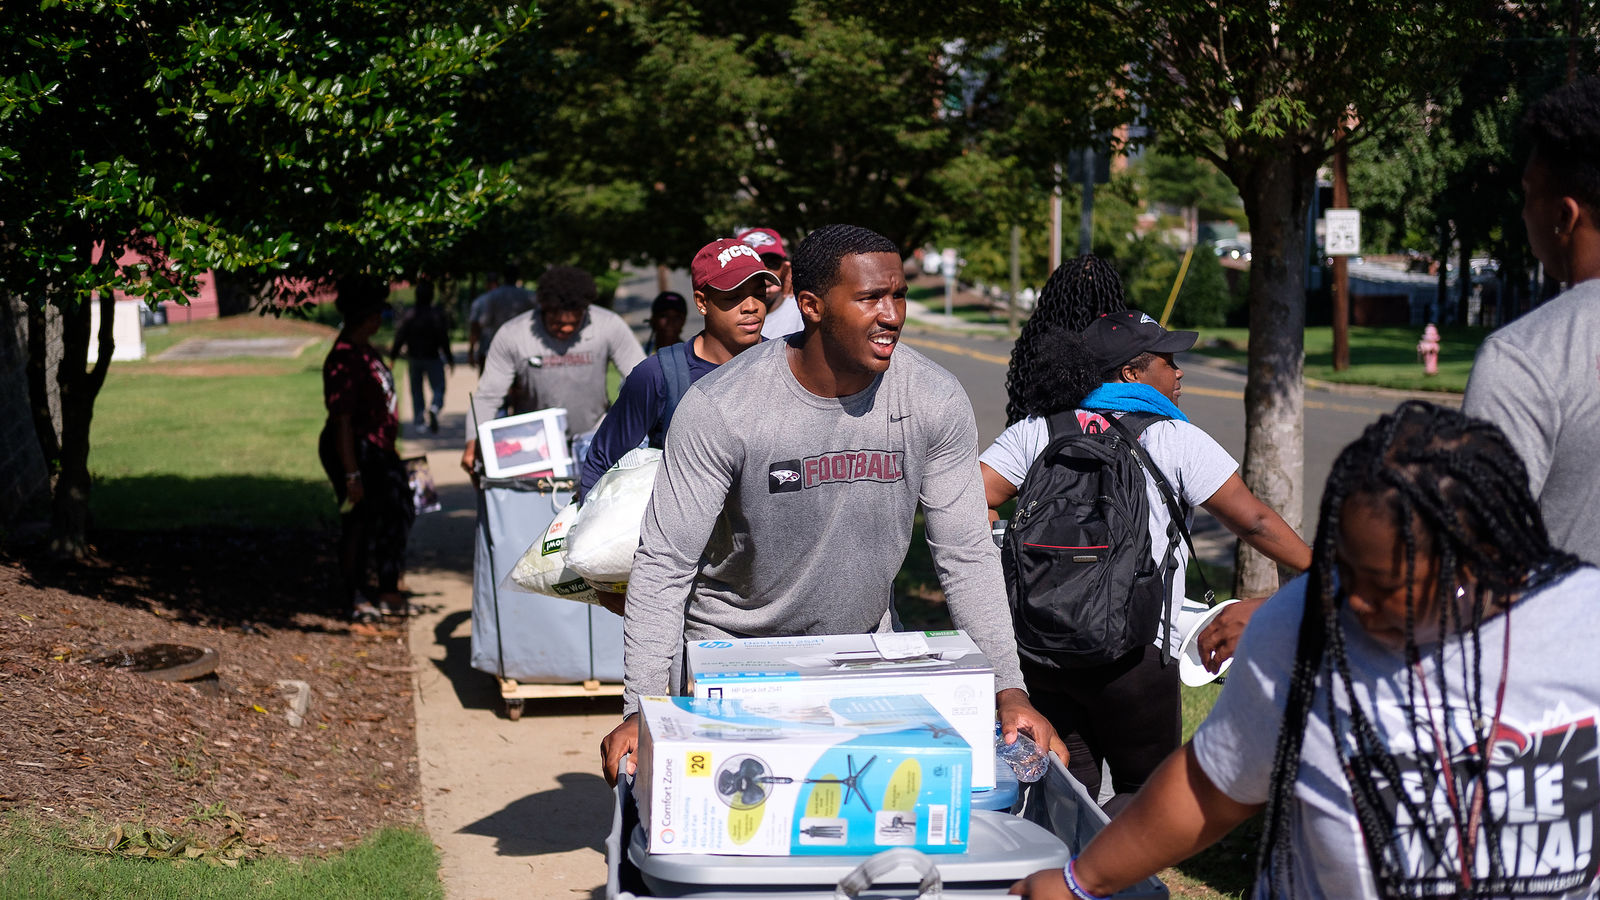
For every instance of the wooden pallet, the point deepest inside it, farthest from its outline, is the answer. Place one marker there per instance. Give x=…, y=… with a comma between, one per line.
x=515, y=692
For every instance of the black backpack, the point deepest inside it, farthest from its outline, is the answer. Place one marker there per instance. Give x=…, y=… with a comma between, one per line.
x=1080, y=577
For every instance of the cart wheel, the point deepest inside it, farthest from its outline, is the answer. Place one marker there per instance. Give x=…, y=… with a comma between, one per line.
x=513, y=709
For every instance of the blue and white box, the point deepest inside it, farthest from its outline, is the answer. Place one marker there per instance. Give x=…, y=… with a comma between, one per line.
x=945, y=667
x=768, y=777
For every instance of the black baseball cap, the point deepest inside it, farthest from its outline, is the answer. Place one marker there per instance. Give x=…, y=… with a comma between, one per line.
x=668, y=301
x=1117, y=337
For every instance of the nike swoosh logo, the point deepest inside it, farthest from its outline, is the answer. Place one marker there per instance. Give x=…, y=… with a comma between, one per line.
x=895, y=418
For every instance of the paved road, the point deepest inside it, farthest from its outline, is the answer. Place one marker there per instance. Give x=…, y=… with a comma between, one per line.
x=1213, y=398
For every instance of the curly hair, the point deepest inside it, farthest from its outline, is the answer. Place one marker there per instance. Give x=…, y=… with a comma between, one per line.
x=1457, y=492
x=815, y=264
x=1063, y=373
x=1563, y=128
x=1078, y=292
x=566, y=289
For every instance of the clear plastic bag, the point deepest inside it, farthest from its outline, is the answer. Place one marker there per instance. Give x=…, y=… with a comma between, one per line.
x=543, y=568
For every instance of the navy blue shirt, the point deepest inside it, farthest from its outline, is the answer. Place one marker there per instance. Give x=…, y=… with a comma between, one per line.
x=635, y=416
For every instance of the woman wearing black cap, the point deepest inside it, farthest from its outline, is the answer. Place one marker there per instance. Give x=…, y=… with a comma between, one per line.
x=357, y=448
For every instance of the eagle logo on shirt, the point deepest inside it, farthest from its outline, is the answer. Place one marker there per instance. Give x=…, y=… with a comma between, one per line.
x=785, y=477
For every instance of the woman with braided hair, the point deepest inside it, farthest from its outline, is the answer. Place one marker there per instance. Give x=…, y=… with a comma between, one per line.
x=1079, y=291
x=1416, y=715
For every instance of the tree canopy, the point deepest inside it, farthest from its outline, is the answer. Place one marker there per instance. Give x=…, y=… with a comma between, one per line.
x=304, y=139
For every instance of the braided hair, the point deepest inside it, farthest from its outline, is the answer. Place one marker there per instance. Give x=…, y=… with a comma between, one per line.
x=815, y=264
x=1458, y=492
x=1078, y=292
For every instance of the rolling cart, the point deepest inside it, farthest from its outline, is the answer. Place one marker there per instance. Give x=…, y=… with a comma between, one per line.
x=538, y=647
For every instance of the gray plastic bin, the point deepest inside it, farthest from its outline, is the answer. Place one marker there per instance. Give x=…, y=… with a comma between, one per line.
x=1005, y=848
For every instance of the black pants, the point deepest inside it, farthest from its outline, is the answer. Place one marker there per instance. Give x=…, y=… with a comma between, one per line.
x=1126, y=714
x=381, y=521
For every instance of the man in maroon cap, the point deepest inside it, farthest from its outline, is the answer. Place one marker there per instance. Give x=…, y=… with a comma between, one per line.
x=730, y=289
x=783, y=313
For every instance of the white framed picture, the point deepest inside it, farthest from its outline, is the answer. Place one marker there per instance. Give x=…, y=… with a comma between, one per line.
x=528, y=444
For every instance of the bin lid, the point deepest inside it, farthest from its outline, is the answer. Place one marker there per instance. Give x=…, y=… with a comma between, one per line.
x=1003, y=795
x=1000, y=847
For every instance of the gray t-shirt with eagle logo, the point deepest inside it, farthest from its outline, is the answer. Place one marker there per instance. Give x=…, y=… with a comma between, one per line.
x=778, y=512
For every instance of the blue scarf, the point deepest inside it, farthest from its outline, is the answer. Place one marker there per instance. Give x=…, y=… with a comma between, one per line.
x=1132, y=397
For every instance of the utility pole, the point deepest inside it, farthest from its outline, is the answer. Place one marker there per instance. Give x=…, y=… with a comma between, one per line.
x=1086, y=213
x=1341, y=264
x=1016, y=279
x=1055, y=222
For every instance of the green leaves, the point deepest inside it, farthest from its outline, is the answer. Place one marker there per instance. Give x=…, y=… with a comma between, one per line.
x=281, y=137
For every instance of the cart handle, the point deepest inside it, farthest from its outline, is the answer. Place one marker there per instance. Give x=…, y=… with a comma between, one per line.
x=881, y=864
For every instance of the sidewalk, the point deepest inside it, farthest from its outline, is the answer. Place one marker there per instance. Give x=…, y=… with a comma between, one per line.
x=517, y=809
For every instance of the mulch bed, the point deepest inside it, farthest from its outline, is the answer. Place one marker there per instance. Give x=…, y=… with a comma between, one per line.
x=80, y=742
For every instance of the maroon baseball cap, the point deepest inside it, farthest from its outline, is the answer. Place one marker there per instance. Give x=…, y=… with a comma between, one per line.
x=764, y=240
x=725, y=263
x=1117, y=337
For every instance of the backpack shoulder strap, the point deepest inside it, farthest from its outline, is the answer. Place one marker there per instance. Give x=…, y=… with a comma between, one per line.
x=1174, y=510
x=1062, y=422
x=675, y=368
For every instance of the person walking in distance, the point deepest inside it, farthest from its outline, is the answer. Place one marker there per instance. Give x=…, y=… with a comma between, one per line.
x=555, y=355
x=492, y=309
x=668, y=312
x=424, y=337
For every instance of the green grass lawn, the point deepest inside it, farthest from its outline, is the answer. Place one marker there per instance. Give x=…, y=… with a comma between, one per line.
x=176, y=451
x=1384, y=356
x=45, y=865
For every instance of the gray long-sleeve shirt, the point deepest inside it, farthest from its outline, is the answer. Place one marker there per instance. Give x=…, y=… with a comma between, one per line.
x=1538, y=378
x=778, y=512
x=537, y=371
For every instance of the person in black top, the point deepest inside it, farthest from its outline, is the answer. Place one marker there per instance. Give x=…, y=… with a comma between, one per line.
x=668, y=312
x=424, y=335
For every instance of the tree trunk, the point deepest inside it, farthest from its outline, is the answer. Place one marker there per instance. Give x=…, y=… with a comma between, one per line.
x=1277, y=198
x=80, y=385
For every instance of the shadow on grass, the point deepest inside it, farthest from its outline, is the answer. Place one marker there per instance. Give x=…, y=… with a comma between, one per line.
x=269, y=542
x=163, y=502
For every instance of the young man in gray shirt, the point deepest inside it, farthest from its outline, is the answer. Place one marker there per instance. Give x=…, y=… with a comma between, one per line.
x=793, y=473
x=555, y=355
x=1538, y=378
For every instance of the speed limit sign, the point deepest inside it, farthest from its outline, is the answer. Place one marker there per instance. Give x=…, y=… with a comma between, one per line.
x=1342, y=232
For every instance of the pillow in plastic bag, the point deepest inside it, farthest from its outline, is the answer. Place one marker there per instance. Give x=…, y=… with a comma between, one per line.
x=602, y=542
x=544, y=570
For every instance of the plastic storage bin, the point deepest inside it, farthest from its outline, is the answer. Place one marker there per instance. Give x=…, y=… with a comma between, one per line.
x=1056, y=805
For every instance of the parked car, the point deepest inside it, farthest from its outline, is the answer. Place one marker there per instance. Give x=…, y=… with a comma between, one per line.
x=1231, y=248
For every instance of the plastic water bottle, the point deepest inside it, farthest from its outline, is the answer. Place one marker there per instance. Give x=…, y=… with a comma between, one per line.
x=1027, y=759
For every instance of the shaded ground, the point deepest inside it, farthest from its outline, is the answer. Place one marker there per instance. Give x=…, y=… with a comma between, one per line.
x=80, y=741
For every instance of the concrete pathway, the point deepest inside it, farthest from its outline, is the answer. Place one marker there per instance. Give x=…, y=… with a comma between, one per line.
x=518, y=809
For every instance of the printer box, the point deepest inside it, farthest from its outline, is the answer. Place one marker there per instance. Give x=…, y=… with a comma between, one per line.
x=768, y=777
x=943, y=666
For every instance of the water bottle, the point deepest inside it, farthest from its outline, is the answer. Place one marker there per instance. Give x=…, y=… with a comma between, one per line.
x=1027, y=759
